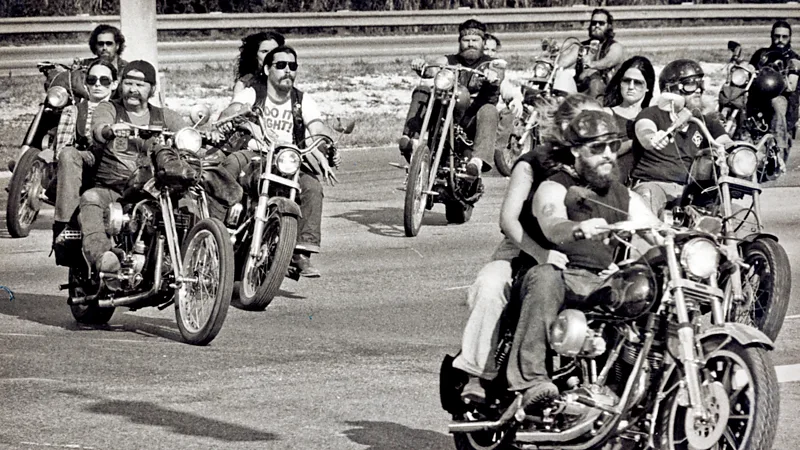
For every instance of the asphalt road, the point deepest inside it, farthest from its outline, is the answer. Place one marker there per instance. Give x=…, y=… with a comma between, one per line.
x=347, y=361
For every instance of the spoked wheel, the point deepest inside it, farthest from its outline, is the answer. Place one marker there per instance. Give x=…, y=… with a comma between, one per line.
x=24, y=190
x=505, y=158
x=766, y=286
x=86, y=314
x=262, y=276
x=202, y=301
x=741, y=391
x=417, y=184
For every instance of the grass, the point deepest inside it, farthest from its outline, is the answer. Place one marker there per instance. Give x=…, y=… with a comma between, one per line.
x=19, y=95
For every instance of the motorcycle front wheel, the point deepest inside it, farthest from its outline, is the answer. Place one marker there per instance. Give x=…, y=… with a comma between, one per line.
x=505, y=158
x=741, y=391
x=24, y=190
x=766, y=286
x=201, y=302
x=262, y=276
x=416, y=199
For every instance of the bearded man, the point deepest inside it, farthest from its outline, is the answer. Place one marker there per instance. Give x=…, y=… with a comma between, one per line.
x=563, y=205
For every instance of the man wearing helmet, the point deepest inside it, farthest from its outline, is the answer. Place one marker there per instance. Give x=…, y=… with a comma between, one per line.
x=782, y=58
x=563, y=205
x=664, y=160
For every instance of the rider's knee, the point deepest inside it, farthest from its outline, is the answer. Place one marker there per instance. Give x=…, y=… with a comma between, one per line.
x=780, y=104
x=488, y=112
x=653, y=195
x=69, y=155
x=310, y=186
x=541, y=278
x=92, y=197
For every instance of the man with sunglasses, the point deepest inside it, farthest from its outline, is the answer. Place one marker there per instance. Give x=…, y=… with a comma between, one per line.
x=595, y=69
x=75, y=145
x=293, y=116
x=780, y=56
x=107, y=43
x=564, y=205
x=664, y=160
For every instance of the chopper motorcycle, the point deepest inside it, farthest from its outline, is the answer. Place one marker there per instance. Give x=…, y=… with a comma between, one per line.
x=33, y=179
x=635, y=367
x=438, y=171
x=170, y=250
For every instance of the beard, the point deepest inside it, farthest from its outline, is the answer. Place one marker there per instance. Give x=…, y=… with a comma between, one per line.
x=595, y=179
x=470, y=54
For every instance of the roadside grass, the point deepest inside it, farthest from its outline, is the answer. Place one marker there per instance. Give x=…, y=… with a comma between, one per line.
x=378, y=123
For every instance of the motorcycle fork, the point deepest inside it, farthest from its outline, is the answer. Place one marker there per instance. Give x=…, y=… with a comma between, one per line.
x=686, y=337
x=731, y=244
x=34, y=127
x=165, y=202
x=447, y=126
x=260, y=218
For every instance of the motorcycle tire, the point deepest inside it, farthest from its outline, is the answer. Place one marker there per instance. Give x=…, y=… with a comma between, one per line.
x=86, y=314
x=767, y=286
x=755, y=404
x=418, y=175
x=457, y=212
x=208, y=236
x=24, y=189
x=505, y=158
x=260, y=284
x=478, y=440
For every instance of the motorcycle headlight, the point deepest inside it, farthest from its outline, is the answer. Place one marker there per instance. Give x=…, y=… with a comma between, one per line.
x=568, y=332
x=57, y=96
x=288, y=161
x=700, y=257
x=542, y=70
x=444, y=80
x=739, y=77
x=743, y=162
x=115, y=219
x=188, y=139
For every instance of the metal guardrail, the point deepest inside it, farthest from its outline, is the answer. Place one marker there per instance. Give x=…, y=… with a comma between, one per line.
x=341, y=19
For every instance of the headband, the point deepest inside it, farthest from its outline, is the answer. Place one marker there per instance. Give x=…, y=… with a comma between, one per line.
x=471, y=31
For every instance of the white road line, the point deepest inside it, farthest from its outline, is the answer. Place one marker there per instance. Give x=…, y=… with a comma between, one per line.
x=796, y=316
x=788, y=373
x=457, y=288
x=21, y=334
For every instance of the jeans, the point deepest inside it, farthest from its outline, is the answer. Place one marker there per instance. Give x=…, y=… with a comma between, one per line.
x=544, y=290
x=71, y=165
x=94, y=203
x=416, y=111
x=778, y=125
x=658, y=194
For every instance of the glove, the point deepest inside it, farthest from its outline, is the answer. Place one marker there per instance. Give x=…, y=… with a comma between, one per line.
x=334, y=159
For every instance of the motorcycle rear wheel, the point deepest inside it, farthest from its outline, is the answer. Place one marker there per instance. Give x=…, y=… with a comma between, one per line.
x=201, y=306
x=24, y=189
x=748, y=402
x=86, y=314
x=262, y=278
x=505, y=158
x=416, y=199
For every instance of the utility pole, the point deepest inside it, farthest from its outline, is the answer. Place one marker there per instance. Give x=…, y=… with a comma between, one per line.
x=138, y=19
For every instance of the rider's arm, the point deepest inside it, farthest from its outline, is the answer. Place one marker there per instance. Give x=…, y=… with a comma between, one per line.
x=519, y=187
x=645, y=130
x=569, y=55
x=551, y=212
x=237, y=87
x=103, y=117
x=312, y=118
x=614, y=57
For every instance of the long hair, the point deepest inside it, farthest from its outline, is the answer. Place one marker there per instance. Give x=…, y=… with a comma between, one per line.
x=100, y=29
x=247, y=61
x=609, y=33
x=613, y=94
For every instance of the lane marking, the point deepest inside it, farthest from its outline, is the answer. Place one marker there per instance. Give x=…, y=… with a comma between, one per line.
x=457, y=288
x=788, y=373
x=21, y=334
x=45, y=444
x=795, y=316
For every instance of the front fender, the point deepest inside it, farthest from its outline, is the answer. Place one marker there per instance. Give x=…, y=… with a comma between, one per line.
x=750, y=238
x=745, y=335
x=285, y=206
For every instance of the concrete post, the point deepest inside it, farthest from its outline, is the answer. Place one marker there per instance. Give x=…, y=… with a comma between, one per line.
x=138, y=19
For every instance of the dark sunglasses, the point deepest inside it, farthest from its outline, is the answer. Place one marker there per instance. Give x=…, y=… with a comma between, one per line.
x=691, y=85
x=280, y=65
x=598, y=148
x=91, y=80
x=636, y=83
x=598, y=23
x=105, y=43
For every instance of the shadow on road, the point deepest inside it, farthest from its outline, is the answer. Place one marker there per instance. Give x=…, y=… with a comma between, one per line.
x=388, y=221
x=187, y=424
x=53, y=311
x=393, y=436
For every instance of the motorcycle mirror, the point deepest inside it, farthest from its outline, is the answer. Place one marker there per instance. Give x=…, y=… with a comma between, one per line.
x=734, y=46
x=498, y=64
x=545, y=44
x=344, y=125
x=670, y=102
x=199, y=114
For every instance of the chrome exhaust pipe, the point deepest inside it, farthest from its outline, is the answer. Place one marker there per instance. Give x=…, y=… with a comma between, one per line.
x=131, y=299
x=467, y=427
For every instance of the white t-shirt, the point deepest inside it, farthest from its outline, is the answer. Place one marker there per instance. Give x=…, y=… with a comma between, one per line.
x=279, y=115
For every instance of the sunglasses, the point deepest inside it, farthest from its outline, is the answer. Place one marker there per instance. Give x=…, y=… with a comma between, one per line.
x=91, y=80
x=636, y=83
x=105, y=43
x=280, y=65
x=691, y=85
x=596, y=23
x=598, y=148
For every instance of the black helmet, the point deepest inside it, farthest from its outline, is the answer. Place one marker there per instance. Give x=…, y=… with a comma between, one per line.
x=678, y=70
x=591, y=126
x=769, y=83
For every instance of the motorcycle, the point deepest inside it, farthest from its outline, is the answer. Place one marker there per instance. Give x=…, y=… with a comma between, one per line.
x=636, y=368
x=266, y=234
x=758, y=281
x=438, y=171
x=169, y=248
x=33, y=179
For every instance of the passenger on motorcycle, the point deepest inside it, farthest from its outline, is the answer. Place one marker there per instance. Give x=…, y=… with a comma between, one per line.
x=107, y=44
x=75, y=145
x=663, y=161
x=784, y=106
x=480, y=119
x=489, y=293
x=563, y=206
x=491, y=45
x=120, y=158
x=250, y=62
x=629, y=91
x=596, y=68
x=293, y=116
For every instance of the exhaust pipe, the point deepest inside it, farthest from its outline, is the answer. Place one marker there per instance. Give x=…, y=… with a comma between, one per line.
x=467, y=427
x=131, y=299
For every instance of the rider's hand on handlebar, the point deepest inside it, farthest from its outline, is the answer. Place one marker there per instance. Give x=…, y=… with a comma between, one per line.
x=593, y=228
x=516, y=107
x=417, y=64
x=660, y=140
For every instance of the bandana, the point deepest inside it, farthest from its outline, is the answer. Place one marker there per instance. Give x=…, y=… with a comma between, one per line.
x=471, y=31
